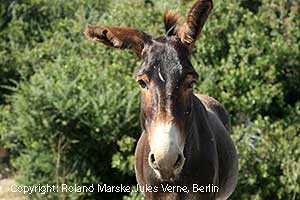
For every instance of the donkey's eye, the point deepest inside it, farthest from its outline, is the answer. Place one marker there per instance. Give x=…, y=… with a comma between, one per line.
x=142, y=83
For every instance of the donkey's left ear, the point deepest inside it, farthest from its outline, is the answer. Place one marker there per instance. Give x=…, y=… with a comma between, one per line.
x=118, y=37
x=194, y=22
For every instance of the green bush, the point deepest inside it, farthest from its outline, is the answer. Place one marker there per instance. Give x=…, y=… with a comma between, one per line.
x=269, y=158
x=70, y=108
x=73, y=117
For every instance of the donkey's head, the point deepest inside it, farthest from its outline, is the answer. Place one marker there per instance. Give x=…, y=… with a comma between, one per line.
x=166, y=78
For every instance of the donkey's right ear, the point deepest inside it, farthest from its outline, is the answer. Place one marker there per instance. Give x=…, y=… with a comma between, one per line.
x=118, y=37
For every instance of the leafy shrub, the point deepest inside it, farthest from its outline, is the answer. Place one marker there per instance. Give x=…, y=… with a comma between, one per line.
x=72, y=116
x=269, y=158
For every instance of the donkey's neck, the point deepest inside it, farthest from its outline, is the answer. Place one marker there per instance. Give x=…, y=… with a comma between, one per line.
x=199, y=127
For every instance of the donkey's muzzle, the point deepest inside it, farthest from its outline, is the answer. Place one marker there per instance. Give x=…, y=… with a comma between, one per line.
x=166, y=167
x=166, y=155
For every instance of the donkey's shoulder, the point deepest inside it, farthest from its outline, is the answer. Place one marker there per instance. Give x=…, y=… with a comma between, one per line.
x=216, y=107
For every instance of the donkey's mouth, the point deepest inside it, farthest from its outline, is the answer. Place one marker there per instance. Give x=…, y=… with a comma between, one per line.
x=166, y=176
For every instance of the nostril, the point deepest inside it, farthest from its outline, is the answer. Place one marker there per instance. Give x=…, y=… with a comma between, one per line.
x=152, y=161
x=178, y=161
x=152, y=158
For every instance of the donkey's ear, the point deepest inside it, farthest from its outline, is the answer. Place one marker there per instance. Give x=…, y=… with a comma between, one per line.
x=118, y=37
x=194, y=22
x=171, y=20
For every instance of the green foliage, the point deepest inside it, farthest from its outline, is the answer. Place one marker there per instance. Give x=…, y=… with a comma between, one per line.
x=250, y=58
x=70, y=108
x=81, y=110
x=269, y=158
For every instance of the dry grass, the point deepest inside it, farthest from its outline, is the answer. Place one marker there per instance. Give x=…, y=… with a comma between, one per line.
x=5, y=193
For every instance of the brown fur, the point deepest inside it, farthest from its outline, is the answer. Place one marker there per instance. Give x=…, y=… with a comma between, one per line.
x=171, y=19
x=118, y=37
x=210, y=156
x=194, y=22
x=213, y=105
x=208, y=149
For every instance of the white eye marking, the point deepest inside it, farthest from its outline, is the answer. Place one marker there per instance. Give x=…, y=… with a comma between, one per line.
x=160, y=76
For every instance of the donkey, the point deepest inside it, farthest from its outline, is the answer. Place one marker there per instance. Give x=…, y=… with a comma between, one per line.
x=185, y=150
